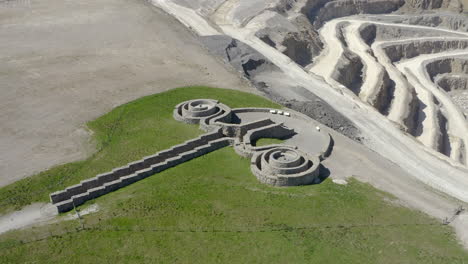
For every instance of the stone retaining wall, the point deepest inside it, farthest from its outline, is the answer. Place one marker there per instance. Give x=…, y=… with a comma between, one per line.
x=301, y=170
x=246, y=152
x=245, y=147
x=135, y=171
x=238, y=131
x=278, y=131
x=201, y=111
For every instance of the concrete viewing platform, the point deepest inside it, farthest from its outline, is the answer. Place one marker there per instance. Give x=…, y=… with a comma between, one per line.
x=296, y=162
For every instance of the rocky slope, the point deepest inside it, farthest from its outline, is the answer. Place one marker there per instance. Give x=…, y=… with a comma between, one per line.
x=361, y=47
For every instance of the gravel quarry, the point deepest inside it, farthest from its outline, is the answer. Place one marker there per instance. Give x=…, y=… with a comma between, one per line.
x=393, y=71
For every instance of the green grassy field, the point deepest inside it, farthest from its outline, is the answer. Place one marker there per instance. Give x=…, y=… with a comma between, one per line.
x=212, y=209
x=267, y=141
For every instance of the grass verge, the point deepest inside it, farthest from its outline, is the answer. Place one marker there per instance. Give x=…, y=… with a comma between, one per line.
x=267, y=141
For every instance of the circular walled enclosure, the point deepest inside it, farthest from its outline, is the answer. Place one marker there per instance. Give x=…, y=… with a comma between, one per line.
x=278, y=165
x=195, y=111
x=199, y=108
x=285, y=166
x=285, y=159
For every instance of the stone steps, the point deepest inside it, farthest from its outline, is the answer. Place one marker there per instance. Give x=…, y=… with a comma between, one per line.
x=120, y=177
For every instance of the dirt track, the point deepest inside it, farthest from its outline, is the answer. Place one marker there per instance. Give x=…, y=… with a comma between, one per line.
x=69, y=64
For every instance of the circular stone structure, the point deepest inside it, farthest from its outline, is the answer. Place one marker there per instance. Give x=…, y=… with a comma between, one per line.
x=199, y=108
x=278, y=165
x=193, y=111
x=285, y=166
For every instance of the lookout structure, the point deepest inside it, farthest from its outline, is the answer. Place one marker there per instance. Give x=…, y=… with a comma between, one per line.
x=277, y=164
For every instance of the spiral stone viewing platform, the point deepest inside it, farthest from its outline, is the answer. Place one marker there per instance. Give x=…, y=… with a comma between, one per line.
x=278, y=165
x=285, y=166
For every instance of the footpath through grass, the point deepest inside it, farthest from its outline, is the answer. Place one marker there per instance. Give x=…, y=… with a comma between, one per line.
x=212, y=209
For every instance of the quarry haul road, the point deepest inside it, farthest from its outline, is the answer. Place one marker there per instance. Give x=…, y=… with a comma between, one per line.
x=416, y=73
x=327, y=61
x=374, y=70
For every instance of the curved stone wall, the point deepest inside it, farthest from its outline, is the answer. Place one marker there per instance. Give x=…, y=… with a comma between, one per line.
x=285, y=166
x=243, y=146
x=202, y=111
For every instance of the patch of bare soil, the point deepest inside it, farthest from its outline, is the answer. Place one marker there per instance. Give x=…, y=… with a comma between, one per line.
x=69, y=64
